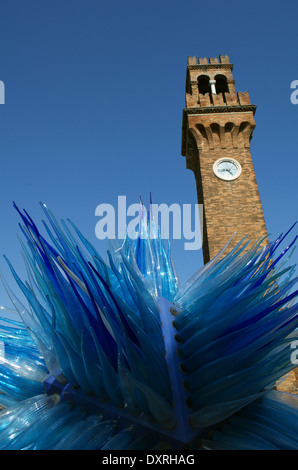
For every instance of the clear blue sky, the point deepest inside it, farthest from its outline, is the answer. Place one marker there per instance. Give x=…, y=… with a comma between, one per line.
x=94, y=99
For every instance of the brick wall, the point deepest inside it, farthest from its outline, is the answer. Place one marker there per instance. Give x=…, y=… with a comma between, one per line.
x=230, y=206
x=289, y=383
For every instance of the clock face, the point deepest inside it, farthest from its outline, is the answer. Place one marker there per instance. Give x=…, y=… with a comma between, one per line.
x=227, y=169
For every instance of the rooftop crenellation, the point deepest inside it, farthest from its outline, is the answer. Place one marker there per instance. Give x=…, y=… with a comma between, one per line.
x=222, y=59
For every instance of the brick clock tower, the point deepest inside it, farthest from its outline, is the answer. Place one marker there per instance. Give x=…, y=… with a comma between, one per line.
x=217, y=128
x=218, y=124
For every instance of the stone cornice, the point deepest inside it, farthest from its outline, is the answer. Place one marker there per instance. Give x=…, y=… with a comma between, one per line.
x=221, y=109
x=210, y=66
x=210, y=110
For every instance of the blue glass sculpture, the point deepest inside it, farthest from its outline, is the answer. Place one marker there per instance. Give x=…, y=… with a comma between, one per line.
x=118, y=356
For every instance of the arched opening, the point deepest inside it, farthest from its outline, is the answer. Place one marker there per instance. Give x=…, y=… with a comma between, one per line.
x=215, y=128
x=229, y=127
x=203, y=84
x=245, y=133
x=221, y=84
x=202, y=138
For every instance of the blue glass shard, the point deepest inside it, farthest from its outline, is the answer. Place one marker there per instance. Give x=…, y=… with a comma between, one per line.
x=157, y=361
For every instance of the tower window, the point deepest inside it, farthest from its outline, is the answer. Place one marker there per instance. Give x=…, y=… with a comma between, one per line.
x=221, y=84
x=203, y=82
